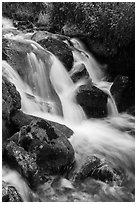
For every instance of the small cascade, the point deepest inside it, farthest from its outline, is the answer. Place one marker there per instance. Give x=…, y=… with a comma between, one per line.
x=83, y=57
x=111, y=105
x=95, y=73
x=66, y=90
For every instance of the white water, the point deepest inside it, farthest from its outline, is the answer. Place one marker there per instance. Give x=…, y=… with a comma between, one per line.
x=101, y=137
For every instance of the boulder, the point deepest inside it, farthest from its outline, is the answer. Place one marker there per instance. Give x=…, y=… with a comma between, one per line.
x=19, y=159
x=92, y=100
x=39, y=151
x=93, y=167
x=123, y=91
x=60, y=49
x=11, y=99
x=20, y=119
x=52, y=149
x=9, y=193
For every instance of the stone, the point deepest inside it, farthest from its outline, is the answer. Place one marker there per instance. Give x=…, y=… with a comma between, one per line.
x=38, y=151
x=19, y=159
x=93, y=167
x=10, y=194
x=92, y=100
x=20, y=119
x=53, y=151
x=11, y=99
x=60, y=49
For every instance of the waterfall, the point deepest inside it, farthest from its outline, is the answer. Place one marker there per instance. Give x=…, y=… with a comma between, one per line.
x=48, y=92
x=66, y=90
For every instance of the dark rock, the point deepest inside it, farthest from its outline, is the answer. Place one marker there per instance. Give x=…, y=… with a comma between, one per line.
x=11, y=101
x=20, y=119
x=53, y=151
x=60, y=50
x=92, y=100
x=11, y=98
x=80, y=73
x=10, y=194
x=41, y=35
x=93, y=167
x=39, y=151
x=123, y=91
x=22, y=161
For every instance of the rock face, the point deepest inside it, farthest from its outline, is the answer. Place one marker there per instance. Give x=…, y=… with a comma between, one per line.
x=92, y=100
x=123, y=91
x=39, y=150
x=10, y=194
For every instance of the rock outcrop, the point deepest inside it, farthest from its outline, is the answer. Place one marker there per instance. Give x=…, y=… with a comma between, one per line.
x=92, y=100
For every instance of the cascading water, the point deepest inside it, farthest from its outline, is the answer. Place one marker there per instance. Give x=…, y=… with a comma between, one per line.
x=46, y=81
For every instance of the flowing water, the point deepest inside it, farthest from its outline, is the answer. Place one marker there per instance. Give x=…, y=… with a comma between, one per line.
x=47, y=91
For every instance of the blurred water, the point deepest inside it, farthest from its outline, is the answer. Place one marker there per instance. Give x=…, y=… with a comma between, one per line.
x=49, y=84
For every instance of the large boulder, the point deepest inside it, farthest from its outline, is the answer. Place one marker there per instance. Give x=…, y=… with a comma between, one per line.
x=60, y=49
x=20, y=119
x=39, y=151
x=92, y=100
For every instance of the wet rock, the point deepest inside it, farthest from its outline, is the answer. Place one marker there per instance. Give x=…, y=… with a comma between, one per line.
x=20, y=119
x=92, y=100
x=9, y=193
x=38, y=151
x=93, y=167
x=123, y=91
x=52, y=149
x=19, y=159
x=41, y=35
x=60, y=50
x=79, y=73
x=11, y=99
